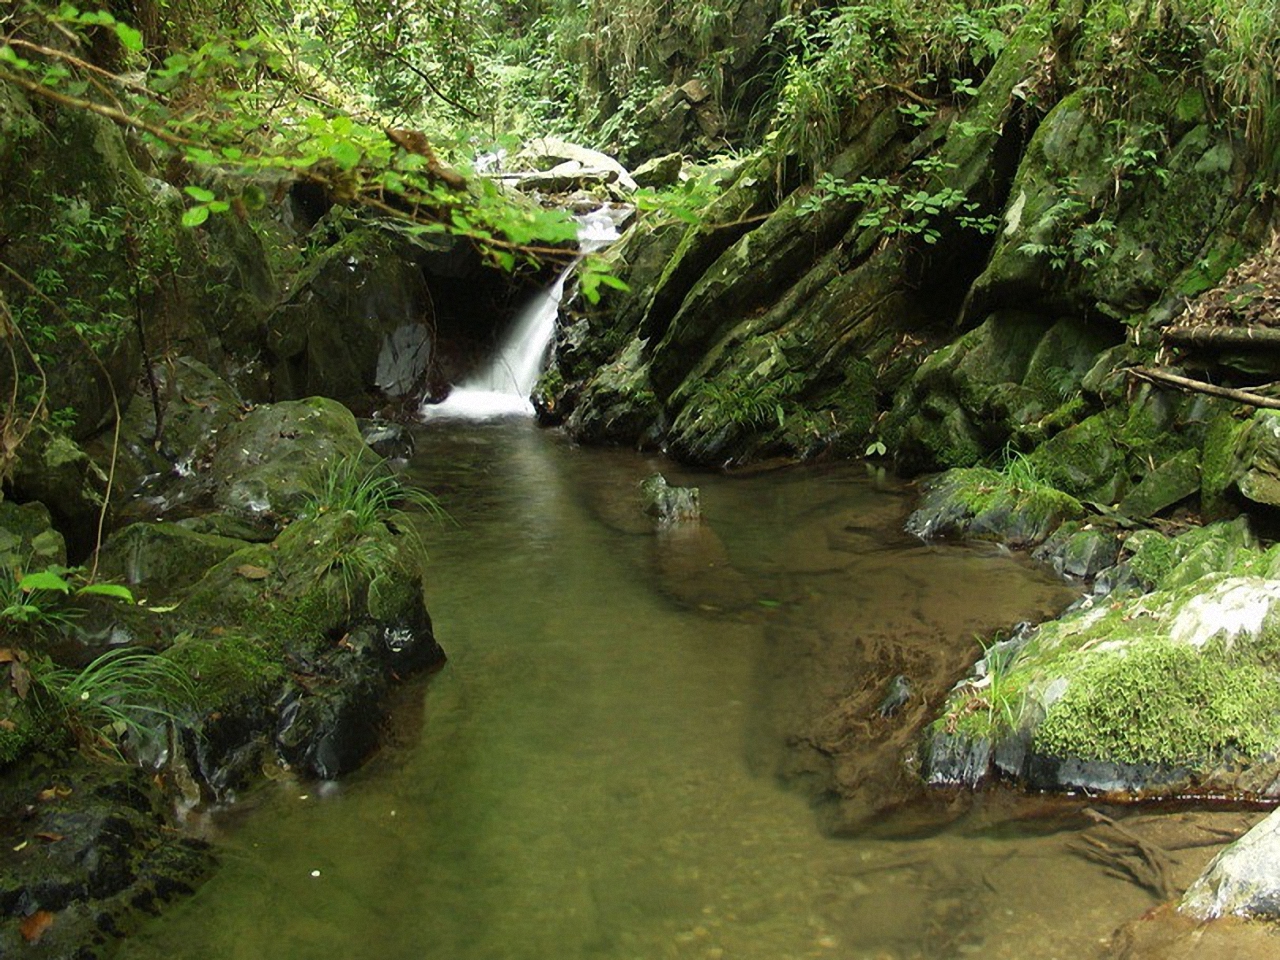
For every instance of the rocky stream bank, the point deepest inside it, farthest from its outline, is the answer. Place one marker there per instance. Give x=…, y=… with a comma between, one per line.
x=1055, y=345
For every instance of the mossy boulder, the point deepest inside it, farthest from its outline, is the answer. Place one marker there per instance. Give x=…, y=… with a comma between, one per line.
x=986, y=504
x=1168, y=692
x=268, y=464
x=1169, y=483
x=159, y=560
x=1084, y=460
x=1016, y=376
x=1254, y=470
x=617, y=405
x=309, y=631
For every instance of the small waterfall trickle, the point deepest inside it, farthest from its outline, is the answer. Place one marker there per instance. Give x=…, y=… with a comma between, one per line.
x=503, y=387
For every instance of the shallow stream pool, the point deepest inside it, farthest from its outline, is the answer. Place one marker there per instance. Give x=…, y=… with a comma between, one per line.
x=635, y=750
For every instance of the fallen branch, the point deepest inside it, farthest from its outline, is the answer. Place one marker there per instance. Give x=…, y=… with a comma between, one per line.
x=1223, y=336
x=1199, y=386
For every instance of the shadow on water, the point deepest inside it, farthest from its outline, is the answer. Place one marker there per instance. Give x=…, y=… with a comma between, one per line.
x=649, y=746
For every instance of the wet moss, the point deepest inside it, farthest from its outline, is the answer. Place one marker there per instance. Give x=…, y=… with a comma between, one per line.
x=228, y=668
x=1216, y=461
x=1160, y=702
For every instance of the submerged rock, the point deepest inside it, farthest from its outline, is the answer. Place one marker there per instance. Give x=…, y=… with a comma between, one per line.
x=670, y=504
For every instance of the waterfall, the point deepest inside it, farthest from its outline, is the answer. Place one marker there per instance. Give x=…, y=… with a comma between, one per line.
x=503, y=387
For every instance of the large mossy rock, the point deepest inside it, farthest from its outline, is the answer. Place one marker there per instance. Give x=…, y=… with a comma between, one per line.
x=1158, y=190
x=298, y=641
x=786, y=341
x=986, y=504
x=1016, y=377
x=160, y=560
x=355, y=323
x=1163, y=693
x=268, y=464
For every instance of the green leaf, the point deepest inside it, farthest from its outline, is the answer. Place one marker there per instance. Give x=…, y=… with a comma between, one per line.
x=44, y=580
x=346, y=153
x=195, y=216
x=113, y=590
x=130, y=38
x=199, y=193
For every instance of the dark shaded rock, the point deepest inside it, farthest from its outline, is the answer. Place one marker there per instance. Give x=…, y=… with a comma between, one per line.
x=389, y=440
x=342, y=332
x=27, y=538
x=896, y=696
x=617, y=405
x=115, y=859
x=54, y=470
x=952, y=760
x=403, y=361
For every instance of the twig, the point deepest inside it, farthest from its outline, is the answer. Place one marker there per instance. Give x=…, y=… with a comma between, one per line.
x=1199, y=386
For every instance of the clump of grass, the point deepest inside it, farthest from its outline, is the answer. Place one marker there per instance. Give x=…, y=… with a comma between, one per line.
x=124, y=692
x=373, y=494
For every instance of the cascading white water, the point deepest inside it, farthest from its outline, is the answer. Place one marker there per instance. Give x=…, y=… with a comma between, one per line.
x=503, y=387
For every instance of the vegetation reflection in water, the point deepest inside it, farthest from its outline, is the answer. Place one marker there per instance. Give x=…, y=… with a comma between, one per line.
x=593, y=773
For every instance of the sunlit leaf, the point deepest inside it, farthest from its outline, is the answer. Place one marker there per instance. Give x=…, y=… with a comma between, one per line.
x=130, y=38
x=195, y=216
x=198, y=193
x=113, y=590
x=44, y=580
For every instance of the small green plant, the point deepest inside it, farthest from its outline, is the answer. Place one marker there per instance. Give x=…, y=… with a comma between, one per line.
x=373, y=494
x=39, y=602
x=123, y=692
x=740, y=404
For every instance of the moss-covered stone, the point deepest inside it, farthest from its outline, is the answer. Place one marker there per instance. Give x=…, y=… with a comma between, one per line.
x=162, y=559
x=27, y=538
x=987, y=504
x=1255, y=467
x=268, y=464
x=1169, y=483
x=1161, y=702
x=1083, y=460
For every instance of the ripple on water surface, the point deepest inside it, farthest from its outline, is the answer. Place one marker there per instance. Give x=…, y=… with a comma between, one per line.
x=623, y=756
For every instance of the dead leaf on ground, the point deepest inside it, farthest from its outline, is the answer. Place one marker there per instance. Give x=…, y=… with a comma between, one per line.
x=20, y=677
x=250, y=572
x=53, y=793
x=34, y=926
x=7, y=655
x=50, y=836
x=7, y=725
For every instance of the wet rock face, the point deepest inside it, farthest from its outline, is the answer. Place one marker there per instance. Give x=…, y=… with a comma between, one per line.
x=355, y=321
x=1243, y=880
x=88, y=845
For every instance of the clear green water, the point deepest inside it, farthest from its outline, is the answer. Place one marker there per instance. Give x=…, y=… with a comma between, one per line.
x=593, y=774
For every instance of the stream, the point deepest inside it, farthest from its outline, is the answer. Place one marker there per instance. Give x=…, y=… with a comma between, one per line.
x=597, y=771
